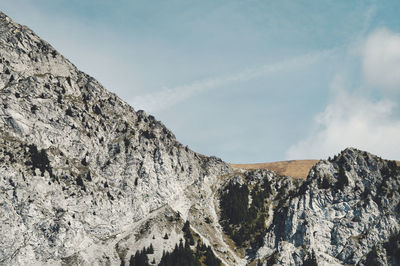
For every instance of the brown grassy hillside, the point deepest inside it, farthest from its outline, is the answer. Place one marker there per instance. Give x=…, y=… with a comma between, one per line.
x=295, y=168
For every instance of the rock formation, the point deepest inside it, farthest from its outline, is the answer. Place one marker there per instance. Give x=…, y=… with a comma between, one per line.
x=78, y=165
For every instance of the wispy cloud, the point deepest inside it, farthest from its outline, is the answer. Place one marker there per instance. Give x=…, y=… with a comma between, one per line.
x=352, y=118
x=352, y=121
x=381, y=59
x=167, y=97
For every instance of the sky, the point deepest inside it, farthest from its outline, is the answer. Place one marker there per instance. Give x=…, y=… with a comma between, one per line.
x=247, y=81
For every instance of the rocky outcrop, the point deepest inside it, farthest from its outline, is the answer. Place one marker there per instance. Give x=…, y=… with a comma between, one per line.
x=346, y=210
x=78, y=165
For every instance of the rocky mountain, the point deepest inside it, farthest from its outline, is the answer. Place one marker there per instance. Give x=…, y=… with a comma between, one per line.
x=87, y=180
x=293, y=168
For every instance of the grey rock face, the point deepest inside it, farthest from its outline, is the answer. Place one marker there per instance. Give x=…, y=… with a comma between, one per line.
x=87, y=180
x=78, y=165
x=347, y=208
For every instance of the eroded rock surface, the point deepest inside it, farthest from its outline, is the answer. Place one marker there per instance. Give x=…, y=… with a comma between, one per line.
x=346, y=210
x=78, y=165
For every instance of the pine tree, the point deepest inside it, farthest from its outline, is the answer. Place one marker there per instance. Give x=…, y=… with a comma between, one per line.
x=311, y=260
x=211, y=260
x=187, y=233
x=140, y=259
x=150, y=250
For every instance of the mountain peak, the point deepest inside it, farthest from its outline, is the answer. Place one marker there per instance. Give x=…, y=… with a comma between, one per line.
x=79, y=161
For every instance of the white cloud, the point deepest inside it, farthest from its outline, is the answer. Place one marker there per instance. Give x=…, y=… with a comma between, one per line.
x=353, y=119
x=381, y=60
x=163, y=99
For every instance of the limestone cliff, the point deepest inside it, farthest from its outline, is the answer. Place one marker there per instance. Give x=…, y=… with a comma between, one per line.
x=78, y=165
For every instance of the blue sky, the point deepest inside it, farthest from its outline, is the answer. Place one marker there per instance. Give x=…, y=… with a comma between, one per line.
x=247, y=81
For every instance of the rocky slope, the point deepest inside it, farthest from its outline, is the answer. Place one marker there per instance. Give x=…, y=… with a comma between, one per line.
x=78, y=165
x=293, y=168
x=347, y=212
x=87, y=180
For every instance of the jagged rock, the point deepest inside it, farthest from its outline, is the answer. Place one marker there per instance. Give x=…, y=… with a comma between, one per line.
x=345, y=207
x=107, y=165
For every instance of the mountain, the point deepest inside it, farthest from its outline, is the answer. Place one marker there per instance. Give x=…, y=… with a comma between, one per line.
x=87, y=180
x=79, y=166
x=294, y=168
